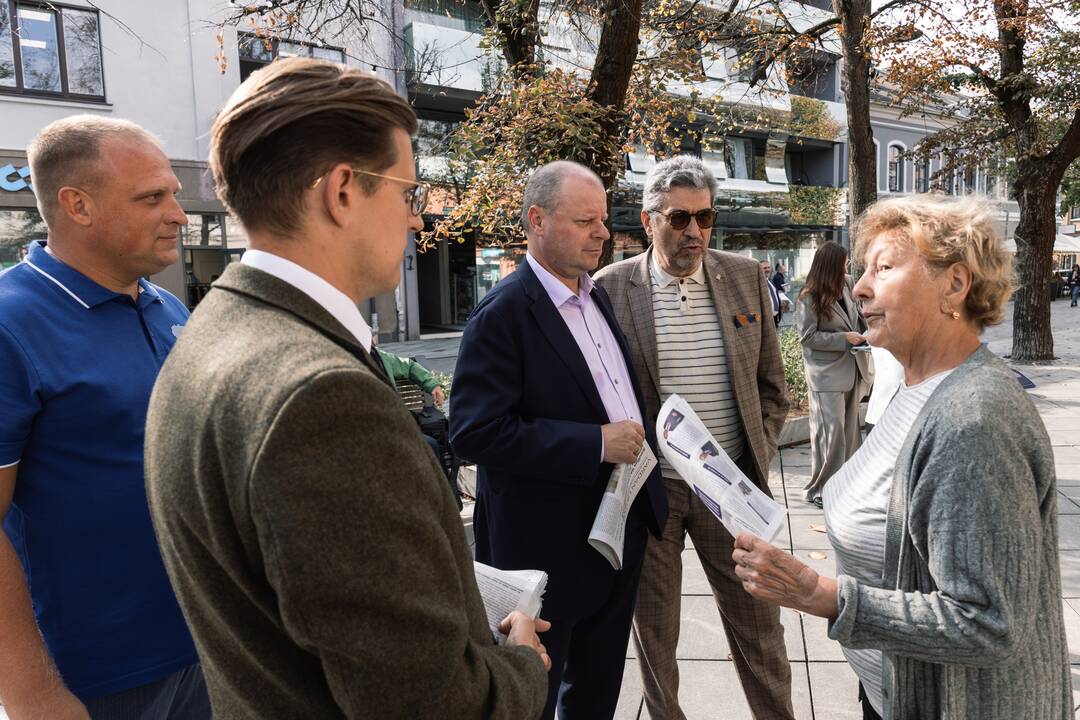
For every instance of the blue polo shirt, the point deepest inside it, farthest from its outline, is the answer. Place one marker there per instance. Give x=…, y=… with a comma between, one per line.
x=78, y=363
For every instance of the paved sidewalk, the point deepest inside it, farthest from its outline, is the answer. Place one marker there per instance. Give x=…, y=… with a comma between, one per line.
x=823, y=686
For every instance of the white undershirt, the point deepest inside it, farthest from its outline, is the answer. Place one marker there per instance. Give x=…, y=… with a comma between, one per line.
x=856, y=502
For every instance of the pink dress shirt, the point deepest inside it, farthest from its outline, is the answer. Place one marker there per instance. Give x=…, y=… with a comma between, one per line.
x=596, y=340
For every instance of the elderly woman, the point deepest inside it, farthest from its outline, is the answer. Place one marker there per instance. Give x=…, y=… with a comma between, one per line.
x=829, y=325
x=948, y=596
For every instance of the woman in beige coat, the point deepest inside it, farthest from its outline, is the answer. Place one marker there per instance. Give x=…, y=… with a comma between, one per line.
x=830, y=325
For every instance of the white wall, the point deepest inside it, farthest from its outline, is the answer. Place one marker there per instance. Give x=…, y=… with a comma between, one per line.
x=161, y=72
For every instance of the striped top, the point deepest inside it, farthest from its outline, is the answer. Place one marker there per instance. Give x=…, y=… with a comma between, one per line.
x=691, y=357
x=856, y=501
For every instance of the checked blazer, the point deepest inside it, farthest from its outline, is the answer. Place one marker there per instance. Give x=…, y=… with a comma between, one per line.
x=742, y=302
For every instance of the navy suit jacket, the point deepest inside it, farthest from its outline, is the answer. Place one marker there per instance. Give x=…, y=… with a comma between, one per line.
x=525, y=409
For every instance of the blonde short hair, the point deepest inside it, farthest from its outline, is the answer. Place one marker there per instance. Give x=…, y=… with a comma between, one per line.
x=944, y=231
x=68, y=153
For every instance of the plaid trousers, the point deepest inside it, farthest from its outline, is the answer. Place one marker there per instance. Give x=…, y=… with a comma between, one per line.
x=752, y=626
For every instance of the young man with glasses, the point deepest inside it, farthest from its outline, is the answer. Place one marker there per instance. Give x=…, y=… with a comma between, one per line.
x=699, y=324
x=309, y=532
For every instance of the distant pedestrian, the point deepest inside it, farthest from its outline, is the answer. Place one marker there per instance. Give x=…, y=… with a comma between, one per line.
x=1074, y=284
x=829, y=325
x=779, y=278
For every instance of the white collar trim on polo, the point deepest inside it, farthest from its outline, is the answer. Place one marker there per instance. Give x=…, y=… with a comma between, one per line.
x=335, y=302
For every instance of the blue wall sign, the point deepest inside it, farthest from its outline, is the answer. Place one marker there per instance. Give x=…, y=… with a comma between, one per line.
x=13, y=179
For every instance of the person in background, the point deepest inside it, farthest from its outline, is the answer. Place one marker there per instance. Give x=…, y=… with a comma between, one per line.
x=777, y=299
x=829, y=325
x=947, y=600
x=779, y=278
x=1074, y=284
x=89, y=625
x=400, y=369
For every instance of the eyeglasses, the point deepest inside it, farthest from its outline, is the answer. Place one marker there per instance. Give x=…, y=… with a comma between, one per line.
x=680, y=219
x=417, y=195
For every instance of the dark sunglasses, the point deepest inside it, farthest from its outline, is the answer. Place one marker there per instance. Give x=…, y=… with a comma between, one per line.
x=680, y=219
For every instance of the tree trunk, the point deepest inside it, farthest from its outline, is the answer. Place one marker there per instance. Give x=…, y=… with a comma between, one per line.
x=610, y=82
x=862, y=157
x=1032, y=340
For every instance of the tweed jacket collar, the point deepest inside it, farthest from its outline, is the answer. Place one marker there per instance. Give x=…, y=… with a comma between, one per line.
x=265, y=288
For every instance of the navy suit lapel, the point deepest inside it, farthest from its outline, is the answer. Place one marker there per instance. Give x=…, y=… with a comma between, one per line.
x=554, y=329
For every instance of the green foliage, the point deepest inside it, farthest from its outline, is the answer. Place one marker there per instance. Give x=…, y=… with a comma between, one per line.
x=813, y=205
x=1070, y=188
x=811, y=118
x=527, y=120
x=794, y=369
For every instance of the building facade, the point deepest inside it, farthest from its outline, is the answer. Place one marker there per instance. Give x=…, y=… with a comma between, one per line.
x=168, y=66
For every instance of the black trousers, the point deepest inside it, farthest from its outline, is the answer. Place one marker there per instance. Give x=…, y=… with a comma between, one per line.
x=868, y=711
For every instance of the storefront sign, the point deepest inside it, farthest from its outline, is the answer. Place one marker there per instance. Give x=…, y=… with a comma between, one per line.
x=13, y=179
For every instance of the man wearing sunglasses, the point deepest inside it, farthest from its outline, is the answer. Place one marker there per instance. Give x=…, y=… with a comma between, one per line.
x=699, y=324
x=312, y=539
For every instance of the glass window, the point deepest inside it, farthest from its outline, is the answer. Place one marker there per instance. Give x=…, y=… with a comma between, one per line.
x=39, y=49
x=17, y=229
x=292, y=49
x=922, y=176
x=7, y=49
x=204, y=230
x=896, y=169
x=254, y=52
x=325, y=53
x=739, y=157
x=256, y=48
x=82, y=52
x=49, y=49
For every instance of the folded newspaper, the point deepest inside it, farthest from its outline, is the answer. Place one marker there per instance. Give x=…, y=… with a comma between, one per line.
x=608, y=534
x=700, y=461
x=504, y=591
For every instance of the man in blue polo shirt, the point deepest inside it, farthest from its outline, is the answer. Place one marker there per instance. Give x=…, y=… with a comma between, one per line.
x=82, y=338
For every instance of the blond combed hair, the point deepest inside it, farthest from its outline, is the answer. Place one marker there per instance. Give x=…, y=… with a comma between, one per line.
x=944, y=231
x=290, y=123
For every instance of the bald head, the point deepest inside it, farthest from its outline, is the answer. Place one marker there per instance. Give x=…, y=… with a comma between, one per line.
x=546, y=183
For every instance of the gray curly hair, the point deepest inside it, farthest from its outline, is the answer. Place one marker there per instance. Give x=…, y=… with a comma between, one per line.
x=679, y=171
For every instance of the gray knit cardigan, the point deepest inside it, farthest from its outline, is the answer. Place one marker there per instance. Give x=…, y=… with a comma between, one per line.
x=969, y=614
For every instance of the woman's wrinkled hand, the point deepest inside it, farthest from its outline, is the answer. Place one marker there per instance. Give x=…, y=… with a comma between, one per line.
x=771, y=574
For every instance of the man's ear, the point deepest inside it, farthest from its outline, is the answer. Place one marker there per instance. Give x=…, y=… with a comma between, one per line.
x=76, y=205
x=536, y=218
x=337, y=194
x=646, y=222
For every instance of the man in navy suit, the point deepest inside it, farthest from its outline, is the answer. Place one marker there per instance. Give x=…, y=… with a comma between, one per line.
x=546, y=403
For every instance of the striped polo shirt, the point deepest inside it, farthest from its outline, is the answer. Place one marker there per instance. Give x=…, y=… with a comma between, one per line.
x=692, y=361
x=856, y=501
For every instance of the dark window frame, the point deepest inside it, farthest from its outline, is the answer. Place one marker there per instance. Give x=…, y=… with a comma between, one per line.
x=57, y=9
x=274, y=45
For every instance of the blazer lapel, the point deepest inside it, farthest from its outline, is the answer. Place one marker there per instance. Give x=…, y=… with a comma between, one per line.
x=553, y=327
x=725, y=313
x=639, y=299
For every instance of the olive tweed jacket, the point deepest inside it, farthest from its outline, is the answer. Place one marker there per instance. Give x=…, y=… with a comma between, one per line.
x=969, y=612
x=308, y=530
